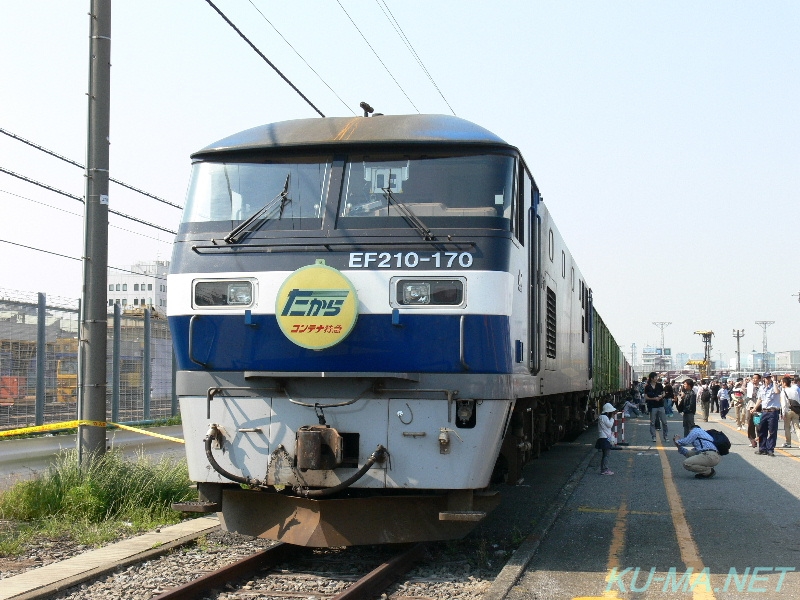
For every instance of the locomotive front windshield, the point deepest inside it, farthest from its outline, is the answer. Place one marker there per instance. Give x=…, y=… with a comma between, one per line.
x=233, y=192
x=432, y=188
x=473, y=190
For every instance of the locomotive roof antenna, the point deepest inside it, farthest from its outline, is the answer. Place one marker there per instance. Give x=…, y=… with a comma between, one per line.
x=764, y=325
x=368, y=110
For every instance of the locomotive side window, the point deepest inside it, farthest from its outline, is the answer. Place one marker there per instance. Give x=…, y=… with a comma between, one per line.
x=232, y=192
x=432, y=188
x=551, y=246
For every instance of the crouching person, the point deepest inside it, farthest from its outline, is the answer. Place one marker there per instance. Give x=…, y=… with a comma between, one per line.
x=702, y=455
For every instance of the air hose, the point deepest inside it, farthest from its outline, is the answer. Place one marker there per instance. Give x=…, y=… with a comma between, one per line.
x=378, y=455
x=213, y=433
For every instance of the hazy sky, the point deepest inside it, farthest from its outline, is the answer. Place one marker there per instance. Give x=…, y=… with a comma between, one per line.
x=664, y=136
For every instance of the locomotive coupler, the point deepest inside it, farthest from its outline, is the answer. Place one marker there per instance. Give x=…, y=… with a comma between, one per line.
x=318, y=447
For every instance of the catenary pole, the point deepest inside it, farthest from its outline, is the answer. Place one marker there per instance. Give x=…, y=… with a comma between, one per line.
x=91, y=439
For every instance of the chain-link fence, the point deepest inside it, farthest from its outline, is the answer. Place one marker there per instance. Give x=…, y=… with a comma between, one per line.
x=139, y=365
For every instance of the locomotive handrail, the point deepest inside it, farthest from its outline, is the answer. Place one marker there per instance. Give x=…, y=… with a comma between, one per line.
x=330, y=375
x=315, y=246
x=191, y=342
x=216, y=391
x=464, y=364
x=334, y=405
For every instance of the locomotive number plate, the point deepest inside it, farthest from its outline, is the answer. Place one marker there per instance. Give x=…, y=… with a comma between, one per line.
x=410, y=260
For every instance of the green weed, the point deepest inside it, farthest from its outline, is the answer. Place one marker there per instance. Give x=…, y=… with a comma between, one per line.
x=109, y=498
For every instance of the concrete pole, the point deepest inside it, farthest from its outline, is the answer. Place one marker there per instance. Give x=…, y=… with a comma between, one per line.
x=95, y=255
x=41, y=360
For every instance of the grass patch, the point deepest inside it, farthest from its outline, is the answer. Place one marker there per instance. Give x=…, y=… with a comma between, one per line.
x=111, y=497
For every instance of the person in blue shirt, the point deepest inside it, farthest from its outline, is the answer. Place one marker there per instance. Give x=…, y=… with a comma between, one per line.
x=702, y=455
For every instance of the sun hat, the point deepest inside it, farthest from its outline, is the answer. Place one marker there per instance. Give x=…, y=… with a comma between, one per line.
x=608, y=407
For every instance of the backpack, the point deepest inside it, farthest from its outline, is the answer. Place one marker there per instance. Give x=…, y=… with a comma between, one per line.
x=721, y=441
x=705, y=396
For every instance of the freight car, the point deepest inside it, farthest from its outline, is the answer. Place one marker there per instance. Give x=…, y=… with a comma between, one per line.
x=374, y=318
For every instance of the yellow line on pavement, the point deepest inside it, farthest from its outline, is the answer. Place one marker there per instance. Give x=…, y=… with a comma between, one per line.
x=617, y=546
x=690, y=555
x=589, y=509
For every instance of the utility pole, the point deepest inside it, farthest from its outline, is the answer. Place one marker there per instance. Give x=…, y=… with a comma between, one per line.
x=738, y=334
x=633, y=356
x=92, y=438
x=662, y=325
x=764, y=324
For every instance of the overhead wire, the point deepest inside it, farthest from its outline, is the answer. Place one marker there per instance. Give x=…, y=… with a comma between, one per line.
x=81, y=200
x=301, y=58
x=77, y=164
x=73, y=258
x=376, y=55
x=399, y=31
x=261, y=54
x=69, y=212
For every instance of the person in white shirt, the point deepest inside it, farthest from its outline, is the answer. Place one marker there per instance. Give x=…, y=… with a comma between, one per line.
x=769, y=403
x=605, y=432
x=789, y=398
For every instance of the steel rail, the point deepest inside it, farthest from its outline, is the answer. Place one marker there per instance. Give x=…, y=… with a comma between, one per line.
x=380, y=578
x=242, y=568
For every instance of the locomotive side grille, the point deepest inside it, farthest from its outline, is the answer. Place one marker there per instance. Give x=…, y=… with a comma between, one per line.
x=551, y=324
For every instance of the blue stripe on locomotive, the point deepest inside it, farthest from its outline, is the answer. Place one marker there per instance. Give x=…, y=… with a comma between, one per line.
x=421, y=343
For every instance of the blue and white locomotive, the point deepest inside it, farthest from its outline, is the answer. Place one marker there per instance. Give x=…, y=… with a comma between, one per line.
x=374, y=318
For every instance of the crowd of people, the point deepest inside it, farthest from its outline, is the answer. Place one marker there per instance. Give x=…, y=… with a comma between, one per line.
x=758, y=404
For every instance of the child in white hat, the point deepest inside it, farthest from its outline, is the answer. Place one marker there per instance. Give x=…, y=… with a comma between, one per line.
x=604, y=442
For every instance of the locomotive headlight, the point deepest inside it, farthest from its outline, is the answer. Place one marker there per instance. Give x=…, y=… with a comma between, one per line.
x=223, y=293
x=429, y=292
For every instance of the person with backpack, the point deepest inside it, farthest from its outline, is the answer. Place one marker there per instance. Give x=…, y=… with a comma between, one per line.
x=704, y=396
x=701, y=452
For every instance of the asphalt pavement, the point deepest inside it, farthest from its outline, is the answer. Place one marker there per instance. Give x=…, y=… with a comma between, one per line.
x=23, y=458
x=653, y=531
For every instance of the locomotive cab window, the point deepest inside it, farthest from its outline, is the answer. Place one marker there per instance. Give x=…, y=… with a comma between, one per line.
x=390, y=191
x=290, y=195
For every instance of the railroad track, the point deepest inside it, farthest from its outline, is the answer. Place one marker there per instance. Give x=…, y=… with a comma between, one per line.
x=365, y=588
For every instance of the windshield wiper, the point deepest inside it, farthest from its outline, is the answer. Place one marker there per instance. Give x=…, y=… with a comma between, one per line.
x=409, y=215
x=236, y=235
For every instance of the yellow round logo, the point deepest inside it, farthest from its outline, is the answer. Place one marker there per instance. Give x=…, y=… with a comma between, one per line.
x=316, y=307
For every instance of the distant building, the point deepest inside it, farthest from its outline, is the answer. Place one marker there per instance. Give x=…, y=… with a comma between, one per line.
x=145, y=286
x=653, y=359
x=758, y=361
x=788, y=360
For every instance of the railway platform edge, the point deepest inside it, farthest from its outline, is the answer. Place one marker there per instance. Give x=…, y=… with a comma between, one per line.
x=55, y=577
